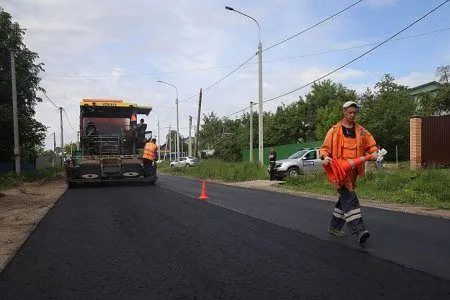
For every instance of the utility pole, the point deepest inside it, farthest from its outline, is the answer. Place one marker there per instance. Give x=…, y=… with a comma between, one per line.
x=170, y=142
x=15, y=112
x=178, y=132
x=190, y=141
x=198, y=123
x=159, y=142
x=260, y=86
x=78, y=141
x=251, y=131
x=260, y=107
x=62, y=134
x=54, y=148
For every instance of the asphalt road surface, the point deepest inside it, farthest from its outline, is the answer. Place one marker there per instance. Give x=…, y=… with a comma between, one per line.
x=161, y=242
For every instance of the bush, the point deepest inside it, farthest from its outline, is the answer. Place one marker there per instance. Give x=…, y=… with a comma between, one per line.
x=216, y=169
x=11, y=179
x=424, y=187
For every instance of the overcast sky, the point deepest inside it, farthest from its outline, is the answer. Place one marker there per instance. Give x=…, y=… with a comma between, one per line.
x=119, y=49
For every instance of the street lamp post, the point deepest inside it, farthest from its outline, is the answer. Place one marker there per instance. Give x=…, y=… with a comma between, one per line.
x=260, y=88
x=178, y=128
x=159, y=140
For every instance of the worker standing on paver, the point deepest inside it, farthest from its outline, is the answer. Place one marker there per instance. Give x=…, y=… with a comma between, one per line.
x=348, y=140
x=149, y=156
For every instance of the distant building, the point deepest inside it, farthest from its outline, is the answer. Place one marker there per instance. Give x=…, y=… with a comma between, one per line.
x=426, y=88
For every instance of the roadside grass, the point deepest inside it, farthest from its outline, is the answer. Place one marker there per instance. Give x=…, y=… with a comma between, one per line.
x=11, y=179
x=427, y=187
x=220, y=170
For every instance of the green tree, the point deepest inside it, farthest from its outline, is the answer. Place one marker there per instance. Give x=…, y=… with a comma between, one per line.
x=443, y=72
x=70, y=148
x=436, y=103
x=211, y=131
x=31, y=132
x=385, y=113
x=324, y=107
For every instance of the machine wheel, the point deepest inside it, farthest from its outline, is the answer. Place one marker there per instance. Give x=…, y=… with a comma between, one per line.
x=70, y=185
x=188, y=165
x=292, y=172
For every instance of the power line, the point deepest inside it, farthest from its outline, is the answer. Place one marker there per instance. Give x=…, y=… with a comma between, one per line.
x=231, y=66
x=360, y=56
x=68, y=120
x=313, y=26
x=235, y=113
x=357, y=46
x=50, y=100
x=353, y=60
x=223, y=78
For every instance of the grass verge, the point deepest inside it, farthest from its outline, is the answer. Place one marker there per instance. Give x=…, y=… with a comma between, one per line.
x=11, y=179
x=427, y=187
x=215, y=169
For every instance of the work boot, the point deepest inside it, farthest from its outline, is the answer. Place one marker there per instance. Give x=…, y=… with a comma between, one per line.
x=336, y=232
x=363, y=235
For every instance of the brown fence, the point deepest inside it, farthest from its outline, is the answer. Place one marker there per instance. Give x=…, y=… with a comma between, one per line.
x=436, y=140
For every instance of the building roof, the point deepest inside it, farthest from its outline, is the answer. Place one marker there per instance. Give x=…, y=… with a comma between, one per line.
x=425, y=88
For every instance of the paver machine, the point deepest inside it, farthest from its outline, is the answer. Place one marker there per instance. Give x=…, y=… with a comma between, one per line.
x=111, y=144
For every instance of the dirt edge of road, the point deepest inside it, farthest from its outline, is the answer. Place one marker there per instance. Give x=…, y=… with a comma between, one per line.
x=277, y=186
x=21, y=210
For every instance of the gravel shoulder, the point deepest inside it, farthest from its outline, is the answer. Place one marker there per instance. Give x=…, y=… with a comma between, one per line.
x=21, y=210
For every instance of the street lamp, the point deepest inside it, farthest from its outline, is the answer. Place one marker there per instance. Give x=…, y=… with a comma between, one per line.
x=178, y=128
x=159, y=140
x=260, y=87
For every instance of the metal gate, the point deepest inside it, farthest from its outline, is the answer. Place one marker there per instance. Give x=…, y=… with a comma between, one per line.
x=436, y=140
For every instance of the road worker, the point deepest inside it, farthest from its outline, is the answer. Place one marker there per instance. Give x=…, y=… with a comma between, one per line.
x=150, y=152
x=272, y=161
x=348, y=140
x=133, y=120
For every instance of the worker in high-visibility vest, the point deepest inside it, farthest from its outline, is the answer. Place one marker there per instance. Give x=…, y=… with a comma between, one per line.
x=133, y=120
x=150, y=153
x=348, y=140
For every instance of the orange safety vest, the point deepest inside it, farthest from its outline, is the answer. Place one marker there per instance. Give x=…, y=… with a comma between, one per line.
x=336, y=145
x=150, y=151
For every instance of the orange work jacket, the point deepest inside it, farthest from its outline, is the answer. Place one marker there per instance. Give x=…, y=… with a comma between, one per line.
x=337, y=146
x=150, y=151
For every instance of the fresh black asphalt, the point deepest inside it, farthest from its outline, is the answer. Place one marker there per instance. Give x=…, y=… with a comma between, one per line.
x=416, y=241
x=143, y=242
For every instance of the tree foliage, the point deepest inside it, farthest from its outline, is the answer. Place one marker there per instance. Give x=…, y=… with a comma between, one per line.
x=31, y=132
x=384, y=111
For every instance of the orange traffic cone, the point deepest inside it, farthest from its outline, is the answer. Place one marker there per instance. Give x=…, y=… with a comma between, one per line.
x=203, y=194
x=337, y=169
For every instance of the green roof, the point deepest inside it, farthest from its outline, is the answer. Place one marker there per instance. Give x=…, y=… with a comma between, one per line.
x=425, y=88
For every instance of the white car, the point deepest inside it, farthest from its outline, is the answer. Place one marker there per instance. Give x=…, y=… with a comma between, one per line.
x=186, y=161
x=300, y=162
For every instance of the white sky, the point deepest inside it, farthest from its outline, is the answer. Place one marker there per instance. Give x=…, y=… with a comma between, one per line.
x=117, y=49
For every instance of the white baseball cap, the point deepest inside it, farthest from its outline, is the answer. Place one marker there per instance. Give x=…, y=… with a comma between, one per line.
x=350, y=103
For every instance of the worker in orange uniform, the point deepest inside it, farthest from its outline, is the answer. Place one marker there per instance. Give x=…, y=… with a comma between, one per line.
x=348, y=140
x=150, y=152
x=133, y=120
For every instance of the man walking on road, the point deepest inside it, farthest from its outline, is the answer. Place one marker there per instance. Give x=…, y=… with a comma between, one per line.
x=348, y=140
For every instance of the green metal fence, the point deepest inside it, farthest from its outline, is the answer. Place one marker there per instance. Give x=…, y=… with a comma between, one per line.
x=283, y=151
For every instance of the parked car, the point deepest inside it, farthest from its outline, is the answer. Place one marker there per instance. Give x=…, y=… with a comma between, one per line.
x=302, y=161
x=186, y=161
